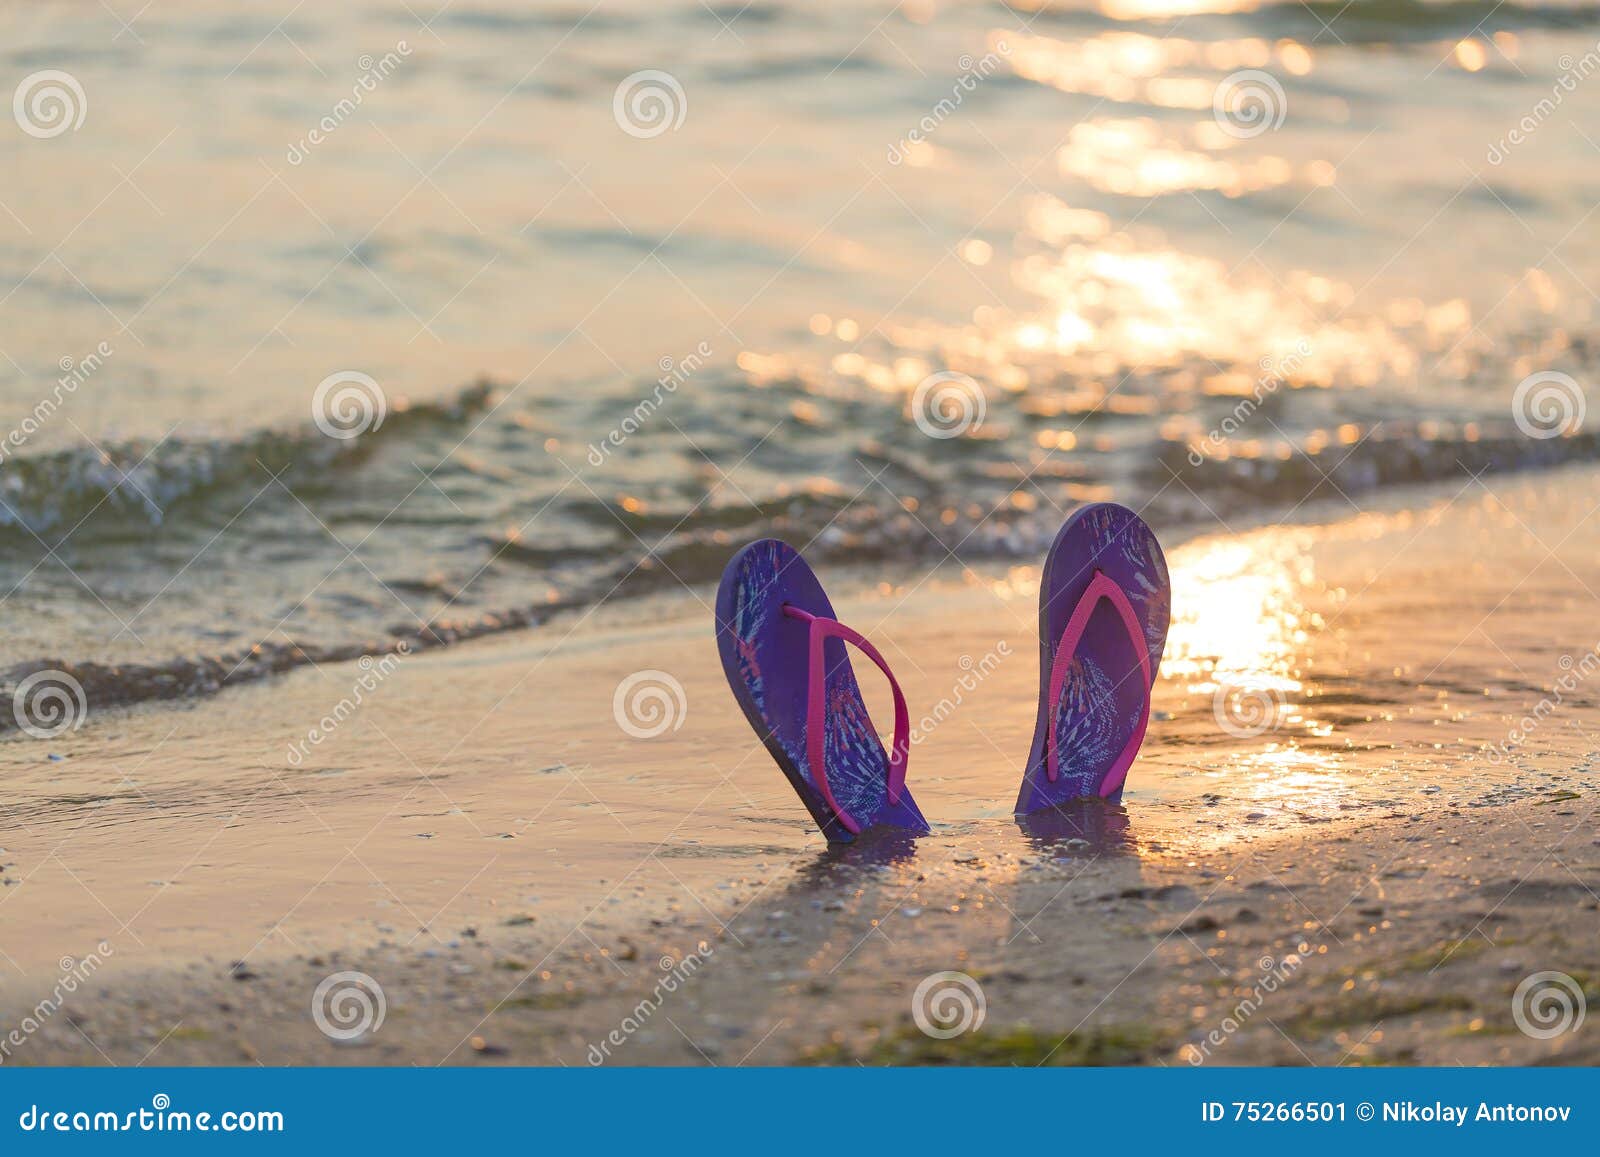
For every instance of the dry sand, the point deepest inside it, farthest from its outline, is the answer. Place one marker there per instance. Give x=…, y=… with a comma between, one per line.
x=1358, y=882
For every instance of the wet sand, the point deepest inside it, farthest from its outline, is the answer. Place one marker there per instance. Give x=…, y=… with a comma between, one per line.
x=517, y=872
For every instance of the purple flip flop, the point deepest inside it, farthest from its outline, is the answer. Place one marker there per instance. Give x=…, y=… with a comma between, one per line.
x=784, y=654
x=1104, y=604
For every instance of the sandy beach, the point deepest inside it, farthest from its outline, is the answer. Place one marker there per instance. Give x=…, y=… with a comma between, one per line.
x=1384, y=829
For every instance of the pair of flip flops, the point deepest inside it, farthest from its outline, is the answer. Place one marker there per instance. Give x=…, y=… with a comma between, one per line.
x=1104, y=604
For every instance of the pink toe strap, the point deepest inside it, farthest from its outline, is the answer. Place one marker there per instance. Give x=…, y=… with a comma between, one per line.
x=1100, y=587
x=823, y=629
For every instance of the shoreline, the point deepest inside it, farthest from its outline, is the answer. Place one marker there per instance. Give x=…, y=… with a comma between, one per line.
x=487, y=784
x=181, y=680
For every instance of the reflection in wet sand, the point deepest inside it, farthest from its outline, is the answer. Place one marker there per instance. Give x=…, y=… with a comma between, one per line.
x=1246, y=613
x=1308, y=784
x=876, y=849
x=1087, y=827
x=1239, y=610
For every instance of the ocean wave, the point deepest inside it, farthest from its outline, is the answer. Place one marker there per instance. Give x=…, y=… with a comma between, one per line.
x=669, y=550
x=147, y=481
x=1360, y=22
x=1359, y=460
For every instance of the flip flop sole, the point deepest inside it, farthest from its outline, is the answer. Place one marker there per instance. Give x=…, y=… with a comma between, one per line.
x=1104, y=694
x=765, y=657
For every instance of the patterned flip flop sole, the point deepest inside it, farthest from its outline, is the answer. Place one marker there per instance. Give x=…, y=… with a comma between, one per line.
x=1104, y=606
x=765, y=635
